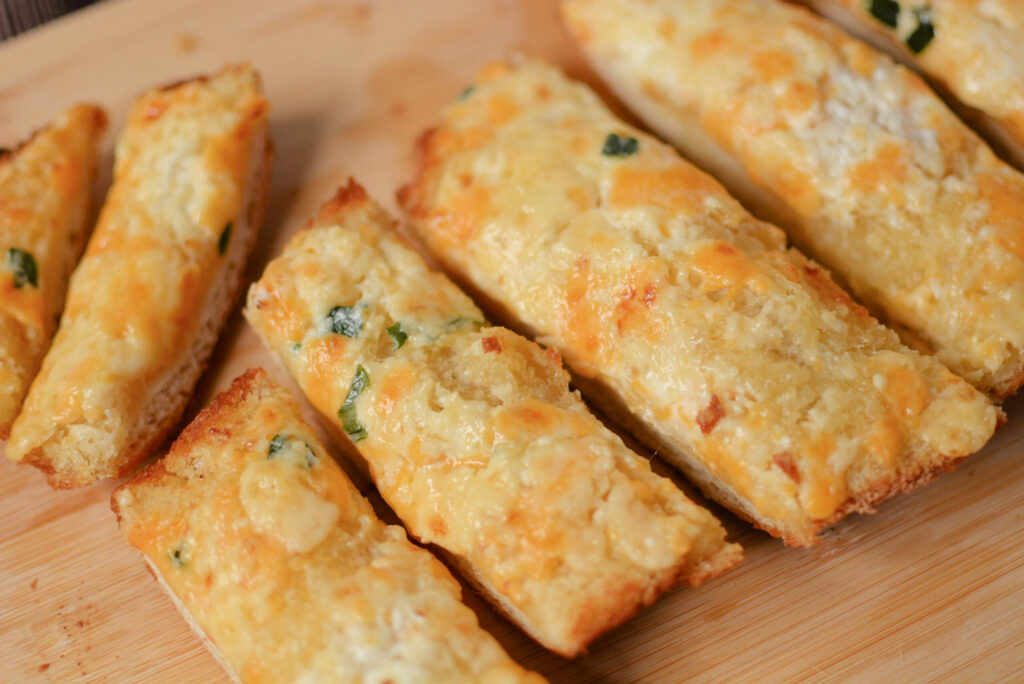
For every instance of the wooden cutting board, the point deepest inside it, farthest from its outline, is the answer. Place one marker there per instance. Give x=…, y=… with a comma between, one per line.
x=929, y=588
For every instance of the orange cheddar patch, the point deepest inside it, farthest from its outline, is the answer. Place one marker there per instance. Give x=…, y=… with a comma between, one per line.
x=582, y=316
x=799, y=97
x=667, y=29
x=773, y=65
x=906, y=391
x=285, y=314
x=710, y=44
x=535, y=418
x=675, y=187
x=459, y=224
x=821, y=491
x=325, y=358
x=227, y=159
x=721, y=266
x=394, y=387
x=500, y=110
x=157, y=535
x=885, y=173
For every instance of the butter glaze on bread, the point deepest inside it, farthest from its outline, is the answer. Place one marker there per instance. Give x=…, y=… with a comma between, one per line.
x=684, y=317
x=283, y=568
x=158, y=278
x=975, y=56
x=852, y=153
x=44, y=212
x=473, y=436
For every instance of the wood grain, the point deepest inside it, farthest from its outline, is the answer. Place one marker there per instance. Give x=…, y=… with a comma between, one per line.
x=930, y=588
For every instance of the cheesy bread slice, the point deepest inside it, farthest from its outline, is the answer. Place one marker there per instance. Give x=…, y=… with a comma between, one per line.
x=283, y=568
x=44, y=214
x=472, y=434
x=865, y=166
x=682, y=315
x=158, y=278
x=973, y=51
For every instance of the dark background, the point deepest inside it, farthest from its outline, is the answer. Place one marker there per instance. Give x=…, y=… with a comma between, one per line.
x=17, y=16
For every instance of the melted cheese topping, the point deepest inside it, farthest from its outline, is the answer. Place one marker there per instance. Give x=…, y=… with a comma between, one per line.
x=285, y=567
x=473, y=437
x=977, y=50
x=878, y=178
x=738, y=352
x=44, y=204
x=137, y=298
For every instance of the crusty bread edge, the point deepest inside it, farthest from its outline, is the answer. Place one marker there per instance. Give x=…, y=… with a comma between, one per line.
x=916, y=473
x=585, y=631
x=176, y=387
x=695, y=568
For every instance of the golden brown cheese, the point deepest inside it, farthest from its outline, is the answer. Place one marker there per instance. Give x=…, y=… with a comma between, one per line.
x=681, y=314
x=974, y=49
x=155, y=284
x=44, y=210
x=473, y=436
x=283, y=566
x=852, y=153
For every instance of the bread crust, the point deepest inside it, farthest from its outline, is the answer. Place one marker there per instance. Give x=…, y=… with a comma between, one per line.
x=853, y=155
x=122, y=369
x=681, y=316
x=44, y=209
x=473, y=436
x=281, y=566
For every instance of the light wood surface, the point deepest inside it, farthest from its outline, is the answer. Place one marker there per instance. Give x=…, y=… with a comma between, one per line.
x=929, y=588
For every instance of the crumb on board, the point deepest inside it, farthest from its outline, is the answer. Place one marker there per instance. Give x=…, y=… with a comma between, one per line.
x=185, y=43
